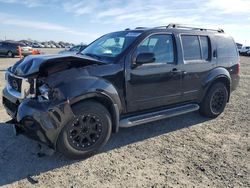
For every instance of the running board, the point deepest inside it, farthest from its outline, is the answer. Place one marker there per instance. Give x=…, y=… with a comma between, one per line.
x=158, y=115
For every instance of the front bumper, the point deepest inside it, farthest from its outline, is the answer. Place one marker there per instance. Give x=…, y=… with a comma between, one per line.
x=41, y=121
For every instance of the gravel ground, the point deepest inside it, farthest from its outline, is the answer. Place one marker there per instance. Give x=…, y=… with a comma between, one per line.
x=185, y=151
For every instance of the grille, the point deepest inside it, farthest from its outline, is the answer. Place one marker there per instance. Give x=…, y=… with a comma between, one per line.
x=15, y=83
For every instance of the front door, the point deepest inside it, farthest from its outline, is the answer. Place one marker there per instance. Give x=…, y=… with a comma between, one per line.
x=155, y=84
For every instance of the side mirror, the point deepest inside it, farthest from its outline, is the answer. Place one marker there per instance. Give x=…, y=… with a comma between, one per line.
x=144, y=58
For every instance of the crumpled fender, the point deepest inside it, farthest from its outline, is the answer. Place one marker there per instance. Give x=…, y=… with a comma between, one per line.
x=81, y=84
x=51, y=118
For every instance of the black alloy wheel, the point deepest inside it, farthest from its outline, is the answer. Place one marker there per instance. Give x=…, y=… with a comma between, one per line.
x=85, y=131
x=215, y=100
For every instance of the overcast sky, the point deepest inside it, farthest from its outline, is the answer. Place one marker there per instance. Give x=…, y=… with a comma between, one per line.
x=82, y=21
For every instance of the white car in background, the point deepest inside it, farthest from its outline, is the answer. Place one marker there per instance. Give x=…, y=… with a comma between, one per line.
x=244, y=50
x=53, y=46
x=68, y=47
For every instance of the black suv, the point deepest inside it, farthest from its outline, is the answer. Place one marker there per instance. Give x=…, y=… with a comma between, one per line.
x=126, y=78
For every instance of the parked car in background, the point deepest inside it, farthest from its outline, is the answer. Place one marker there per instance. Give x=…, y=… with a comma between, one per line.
x=37, y=45
x=248, y=53
x=123, y=79
x=52, y=45
x=46, y=45
x=68, y=47
x=73, y=50
x=10, y=49
x=244, y=50
x=61, y=44
x=57, y=45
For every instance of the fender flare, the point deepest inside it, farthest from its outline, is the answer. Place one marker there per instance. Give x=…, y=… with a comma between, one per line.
x=114, y=107
x=218, y=74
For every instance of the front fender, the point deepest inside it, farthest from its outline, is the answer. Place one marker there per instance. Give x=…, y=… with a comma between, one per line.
x=76, y=85
x=77, y=90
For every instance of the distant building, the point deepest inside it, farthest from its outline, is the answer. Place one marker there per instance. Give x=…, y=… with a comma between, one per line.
x=239, y=46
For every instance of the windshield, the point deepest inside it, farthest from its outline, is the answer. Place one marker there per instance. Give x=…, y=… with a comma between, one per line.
x=111, y=45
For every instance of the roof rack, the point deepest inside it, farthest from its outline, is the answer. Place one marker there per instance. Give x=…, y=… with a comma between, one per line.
x=180, y=26
x=141, y=28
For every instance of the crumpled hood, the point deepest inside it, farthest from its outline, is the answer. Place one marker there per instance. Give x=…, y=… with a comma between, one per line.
x=33, y=63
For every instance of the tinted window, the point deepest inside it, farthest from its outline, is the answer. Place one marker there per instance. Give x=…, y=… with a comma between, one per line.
x=205, y=47
x=225, y=46
x=191, y=47
x=161, y=45
x=111, y=45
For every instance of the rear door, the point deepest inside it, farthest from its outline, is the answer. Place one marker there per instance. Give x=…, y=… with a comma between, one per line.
x=198, y=60
x=155, y=84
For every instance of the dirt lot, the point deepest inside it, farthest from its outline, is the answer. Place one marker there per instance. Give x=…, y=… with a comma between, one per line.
x=186, y=151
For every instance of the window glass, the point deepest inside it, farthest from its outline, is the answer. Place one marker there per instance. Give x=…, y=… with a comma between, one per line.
x=109, y=46
x=205, y=47
x=191, y=47
x=225, y=46
x=161, y=45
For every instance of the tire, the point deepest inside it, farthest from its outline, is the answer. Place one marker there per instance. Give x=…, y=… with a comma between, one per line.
x=87, y=132
x=10, y=54
x=215, y=100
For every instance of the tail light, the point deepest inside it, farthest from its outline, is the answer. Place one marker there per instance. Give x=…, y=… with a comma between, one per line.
x=238, y=68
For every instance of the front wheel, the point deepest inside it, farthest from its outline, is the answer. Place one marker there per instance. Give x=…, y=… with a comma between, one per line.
x=88, y=131
x=215, y=101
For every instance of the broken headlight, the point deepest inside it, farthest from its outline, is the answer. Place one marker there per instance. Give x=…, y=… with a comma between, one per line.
x=44, y=92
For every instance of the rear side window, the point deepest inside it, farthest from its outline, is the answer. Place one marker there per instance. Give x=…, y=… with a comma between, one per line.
x=191, y=47
x=225, y=47
x=205, y=45
x=196, y=48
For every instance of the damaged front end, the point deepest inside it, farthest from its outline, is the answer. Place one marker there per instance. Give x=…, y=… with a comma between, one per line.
x=43, y=121
x=38, y=109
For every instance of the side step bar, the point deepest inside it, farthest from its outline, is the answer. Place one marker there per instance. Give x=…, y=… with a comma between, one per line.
x=158, y=115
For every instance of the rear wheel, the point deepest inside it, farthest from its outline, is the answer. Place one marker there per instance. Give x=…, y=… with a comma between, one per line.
x=215, y=101
x=88, y=131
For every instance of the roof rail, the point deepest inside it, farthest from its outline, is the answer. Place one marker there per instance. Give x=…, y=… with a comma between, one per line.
x=172, y=25
x=141, y=28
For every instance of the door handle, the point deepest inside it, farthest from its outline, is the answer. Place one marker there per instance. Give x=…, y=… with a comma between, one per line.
x=174, y=70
